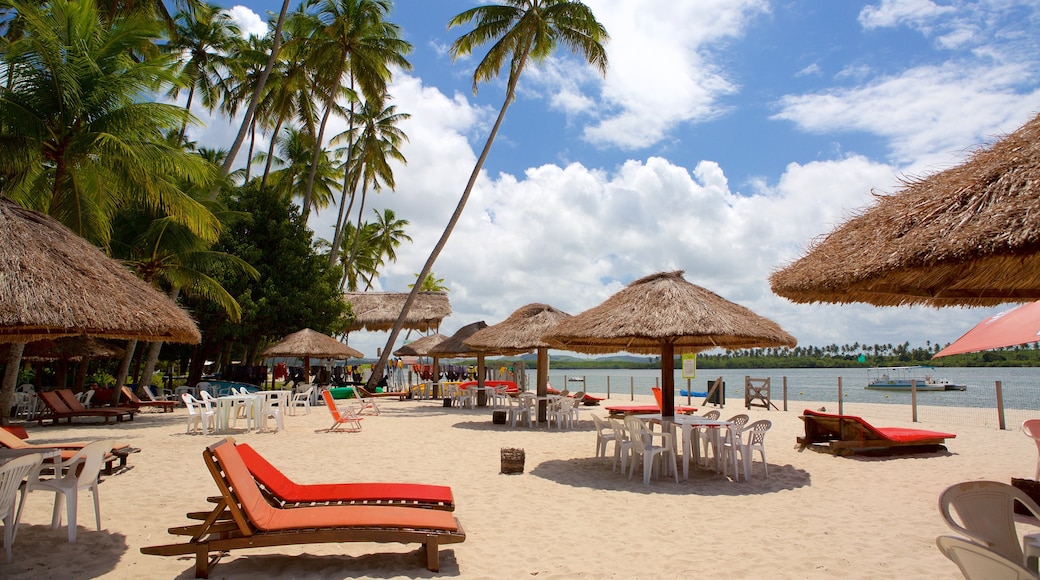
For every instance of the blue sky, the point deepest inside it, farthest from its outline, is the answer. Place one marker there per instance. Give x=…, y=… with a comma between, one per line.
x=726, y=135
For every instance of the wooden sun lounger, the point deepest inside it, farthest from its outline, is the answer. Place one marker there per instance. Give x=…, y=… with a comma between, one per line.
x=70, y=400
x=845, y=434
x=243, y=518
x=284, y=492
x=362, y=391
x=133, y=401
x=120, y=451
x=59, y=410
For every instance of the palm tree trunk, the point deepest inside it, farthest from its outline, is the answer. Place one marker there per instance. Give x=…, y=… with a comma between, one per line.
x=357, y=230
x=187, y=107
x=124, y=369
x=251, y=110
x=14, y=362
x=377, y=369
x=249, y=156
x=270, y=151
x=337, y=236
x=314, y=163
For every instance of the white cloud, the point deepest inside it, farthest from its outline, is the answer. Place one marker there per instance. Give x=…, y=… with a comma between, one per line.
x=249, y=22
x=895, y=12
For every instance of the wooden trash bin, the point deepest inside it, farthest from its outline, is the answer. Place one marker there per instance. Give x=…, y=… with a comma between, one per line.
x=498, y=417
x=512, y=460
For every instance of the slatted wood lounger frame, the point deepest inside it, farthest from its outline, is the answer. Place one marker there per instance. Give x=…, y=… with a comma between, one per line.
x=228, y=526
x=845, y=434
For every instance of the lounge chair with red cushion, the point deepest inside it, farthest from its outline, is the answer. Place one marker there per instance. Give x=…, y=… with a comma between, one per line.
x=844, y=434
x=243, y=518
x=13, y=437
x=287, y=493
x=58, y=410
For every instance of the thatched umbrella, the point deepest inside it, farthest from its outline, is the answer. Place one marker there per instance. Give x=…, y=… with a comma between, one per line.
x=455, y=347
x=524, y=330
x=664, y=314
x=309, y=343
x=54, y=283
x=967, y=236
x=421, y=347
x=379, y=310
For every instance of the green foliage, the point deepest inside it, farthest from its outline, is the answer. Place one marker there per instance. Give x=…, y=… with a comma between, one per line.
x=296, y=289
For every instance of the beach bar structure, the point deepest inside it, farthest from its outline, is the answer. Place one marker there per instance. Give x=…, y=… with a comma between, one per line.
x=378, y=311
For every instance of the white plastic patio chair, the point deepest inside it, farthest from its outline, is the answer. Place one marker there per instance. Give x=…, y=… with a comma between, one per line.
x=272, y=410
x=604, y=435
x=986, y=514
x=516, y=411
x=977, y=562
x=653, y=456
x=1031, y=427
x=752, y=437
x=77, y=473
x=11, y=475
x=200, y=415
x=301, y=398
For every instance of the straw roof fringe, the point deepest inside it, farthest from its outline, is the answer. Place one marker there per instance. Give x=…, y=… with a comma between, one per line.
x=54, y=283
x=379, y=310
x=522, y=330
x=664, y=308
x=455, y=346
x=311, y=343
x=70, y=348
x=968, y=236
x=421, y=346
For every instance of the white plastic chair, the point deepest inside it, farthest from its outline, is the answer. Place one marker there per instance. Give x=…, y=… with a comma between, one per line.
x=11, y=475
x=301, y=398
x=516, y=410
x=604, y=435
x=986, y=513
x=641, y=440
x=272, y=409
x=719, y=437
x=978, y=562
x=746, y=442
x=198, y=413
x=1031, y=427
x=623, y=444
x=556, y=413
x=76, y=474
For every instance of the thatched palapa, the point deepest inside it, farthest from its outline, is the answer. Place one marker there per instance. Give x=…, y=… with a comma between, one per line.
x=379, y=310
x=421, y=346
x=524, y=330
x=967, y=236
x=54, y=283
x=69, y=348
x=666, y=309
x=664, y=314
x=311, y=343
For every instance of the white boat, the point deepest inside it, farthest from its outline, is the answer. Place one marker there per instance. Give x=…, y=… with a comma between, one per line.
x=900, y=379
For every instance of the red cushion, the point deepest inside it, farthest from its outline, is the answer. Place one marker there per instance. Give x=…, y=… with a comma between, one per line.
x=293, y=492
x=900, y=434
x=17, y=430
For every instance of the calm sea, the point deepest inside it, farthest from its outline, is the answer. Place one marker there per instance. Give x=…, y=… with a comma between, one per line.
x=1020, y=386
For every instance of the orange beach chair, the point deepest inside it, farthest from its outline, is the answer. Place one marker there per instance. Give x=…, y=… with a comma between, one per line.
x=243, y=518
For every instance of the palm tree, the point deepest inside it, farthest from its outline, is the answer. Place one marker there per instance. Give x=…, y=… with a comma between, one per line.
x=354, y=39
x=518, y=30
x=207, y=35
x=376, y=145
x=295, y=147
x=430, y=283
x=76, y=140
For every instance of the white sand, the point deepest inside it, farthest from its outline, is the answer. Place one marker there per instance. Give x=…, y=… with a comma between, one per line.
x=567, y=516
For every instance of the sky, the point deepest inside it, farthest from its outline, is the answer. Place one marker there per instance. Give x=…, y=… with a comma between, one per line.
x=725, y=136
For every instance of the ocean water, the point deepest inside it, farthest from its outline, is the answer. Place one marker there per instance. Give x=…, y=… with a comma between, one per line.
x=1020, y=386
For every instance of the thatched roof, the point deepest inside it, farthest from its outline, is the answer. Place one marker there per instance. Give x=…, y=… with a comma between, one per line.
x=522, y=330
x=54, y=283
x=311, y=343
x=665, y=309
x=421, y=346
x=455, y=346
x=70, y=348
x=968, y=236
x=379, y=310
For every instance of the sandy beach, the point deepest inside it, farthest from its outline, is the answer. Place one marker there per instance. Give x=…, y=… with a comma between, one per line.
x=567, y=516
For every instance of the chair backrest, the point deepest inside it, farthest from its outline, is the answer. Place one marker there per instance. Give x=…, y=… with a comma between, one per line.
x=87, y=397
x=70, y=400
x=711, y=415
x=739, y=421
x=331, y=404
x=757, y=431
x=90, y=458
x=986, y=510
x=636, y=429
x=54, y=402
x=11, y=441
x=1031, y=427
x=978, y=562
x=11, y=475
x=190, y=402
x=658, y=397
x=600, y=424
x=129, y=394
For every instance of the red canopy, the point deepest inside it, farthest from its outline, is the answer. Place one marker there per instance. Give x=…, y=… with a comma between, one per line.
x=1019, y=325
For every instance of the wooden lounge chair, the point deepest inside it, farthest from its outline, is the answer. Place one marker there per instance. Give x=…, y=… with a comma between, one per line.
x=846, y=434
x=243, y=518
x=284, y=492
x=59, y=410
x=365, y=393
x=133, y=401
x=70, y=400
x=11, y=439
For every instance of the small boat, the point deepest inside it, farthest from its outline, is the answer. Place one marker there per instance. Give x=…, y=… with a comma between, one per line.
x=575, y=379
x=901, y=378
x=685, y=393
